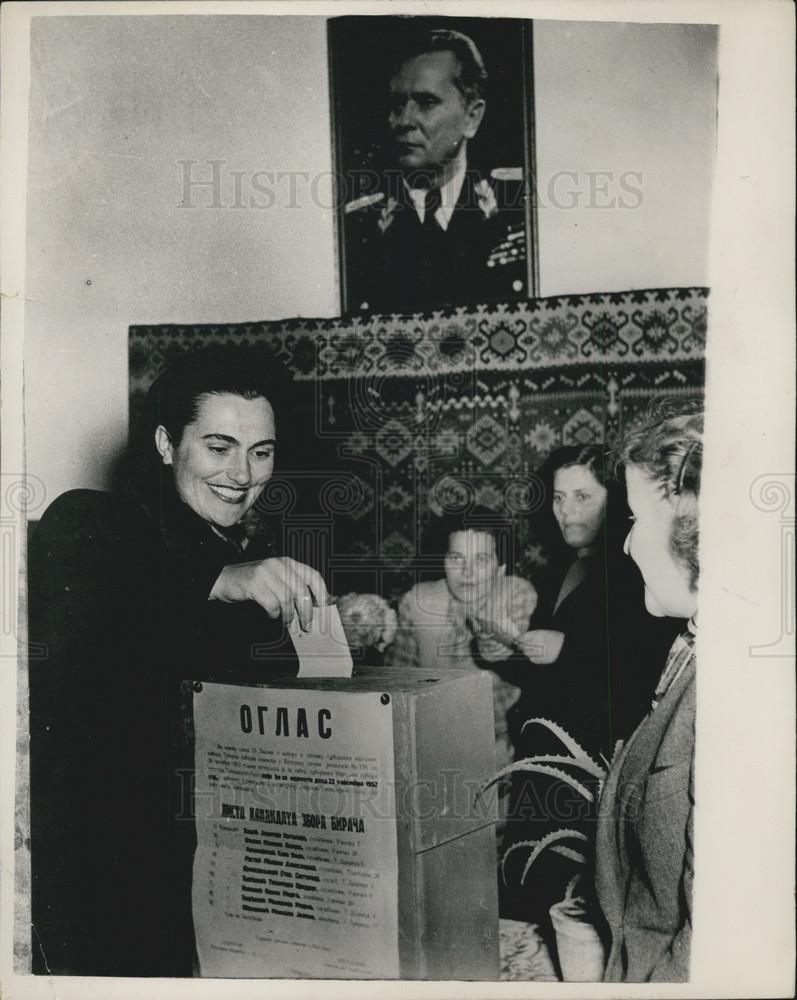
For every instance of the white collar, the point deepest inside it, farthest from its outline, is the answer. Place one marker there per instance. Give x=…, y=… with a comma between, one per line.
x=449, y=194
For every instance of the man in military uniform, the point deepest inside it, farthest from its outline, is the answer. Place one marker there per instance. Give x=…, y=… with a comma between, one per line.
x=437, y=233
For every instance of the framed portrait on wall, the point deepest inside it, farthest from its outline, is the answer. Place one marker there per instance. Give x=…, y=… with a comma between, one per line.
x=433, y=129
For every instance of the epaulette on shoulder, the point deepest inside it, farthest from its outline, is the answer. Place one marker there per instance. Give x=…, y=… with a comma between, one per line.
x=364, y=202
x=507, y=173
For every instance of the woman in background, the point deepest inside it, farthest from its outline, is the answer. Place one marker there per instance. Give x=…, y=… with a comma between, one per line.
x=644, y=862
x=592, y=639
x=592, y=649
x=467, y=620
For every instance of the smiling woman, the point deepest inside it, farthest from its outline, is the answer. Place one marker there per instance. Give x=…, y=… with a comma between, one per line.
x=224, y=458
x=168, y=579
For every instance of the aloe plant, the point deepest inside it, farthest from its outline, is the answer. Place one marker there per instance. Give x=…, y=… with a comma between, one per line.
x=568, y=767
x=552, y=764
x=538, y=846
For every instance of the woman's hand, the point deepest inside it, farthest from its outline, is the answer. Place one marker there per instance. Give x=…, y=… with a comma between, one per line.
x=505, y=613
x=541, y=645
x=497, y=626
x=278, y=585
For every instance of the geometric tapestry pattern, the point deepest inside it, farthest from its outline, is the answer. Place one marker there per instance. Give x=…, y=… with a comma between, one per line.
x=399, y=415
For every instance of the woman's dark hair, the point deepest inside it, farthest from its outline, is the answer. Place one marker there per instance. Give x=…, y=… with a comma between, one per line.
x=173, y=401
x=668, y=449
x=174, y=397
x=594, y=457
x=471, y=77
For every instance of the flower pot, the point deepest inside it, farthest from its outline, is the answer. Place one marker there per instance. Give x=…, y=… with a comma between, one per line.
x=580, y=950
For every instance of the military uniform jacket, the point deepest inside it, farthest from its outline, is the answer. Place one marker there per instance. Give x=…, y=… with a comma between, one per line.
x=396, y=263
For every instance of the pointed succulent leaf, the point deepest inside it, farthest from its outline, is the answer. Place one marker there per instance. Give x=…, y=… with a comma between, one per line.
x=570, y=891
x=509, y=850
x=562, y=734
x=557, y=772
x=587, y=764
x=568, y=852
x=528, y=764
x=551, y=839
x=547, y=841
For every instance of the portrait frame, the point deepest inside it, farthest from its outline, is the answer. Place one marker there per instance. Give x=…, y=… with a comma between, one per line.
x=503, y=151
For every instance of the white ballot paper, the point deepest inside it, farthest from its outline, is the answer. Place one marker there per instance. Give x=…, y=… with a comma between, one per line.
x=323, y=650
x=296, y=868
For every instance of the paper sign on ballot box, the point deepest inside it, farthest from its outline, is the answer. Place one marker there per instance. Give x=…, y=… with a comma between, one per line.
x=296, y=870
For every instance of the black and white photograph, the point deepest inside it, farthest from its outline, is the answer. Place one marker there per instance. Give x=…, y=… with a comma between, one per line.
x=398, y=497
x=452, y=121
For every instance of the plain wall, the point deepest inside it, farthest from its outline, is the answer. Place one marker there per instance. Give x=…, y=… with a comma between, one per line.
x=626, y=136
x=116, y=103
x=113, y=240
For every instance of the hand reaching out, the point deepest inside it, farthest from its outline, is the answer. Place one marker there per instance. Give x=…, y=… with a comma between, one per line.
x=504, y=614
x=541, y=645
x=278, y=585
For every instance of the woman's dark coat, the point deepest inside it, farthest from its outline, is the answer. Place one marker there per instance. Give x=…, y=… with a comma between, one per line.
x=601, y=685
x=118, y=616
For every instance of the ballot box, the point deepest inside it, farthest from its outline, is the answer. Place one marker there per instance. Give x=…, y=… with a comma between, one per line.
x=341, y=833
